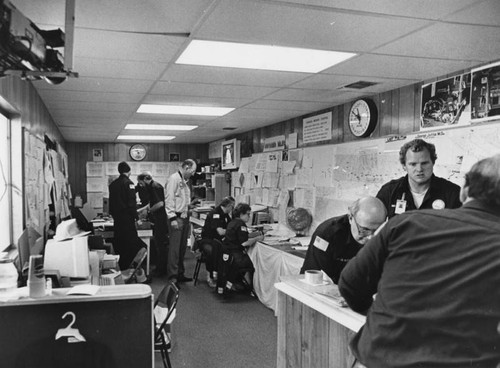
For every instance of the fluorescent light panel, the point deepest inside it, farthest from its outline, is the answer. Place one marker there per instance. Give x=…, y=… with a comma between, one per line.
x=146, y=137
x=238, y=55
x=160, y=127
x=184, y=110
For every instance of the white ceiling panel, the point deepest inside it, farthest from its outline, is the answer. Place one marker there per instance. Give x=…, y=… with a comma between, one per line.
x=400, y=67
x=195, y=100
x=125, y=53
x=483, y=12
x=449, y=41
x=236, y=76
x=109, y=68
x=140, y=16
x=428, y=9
x=273, y=24
x=100, y=85
x=125, y=46
x=210, y=90
x=92, y=106
x=49, y=95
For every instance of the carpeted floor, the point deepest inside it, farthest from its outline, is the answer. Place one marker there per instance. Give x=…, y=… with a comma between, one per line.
x=214, y=332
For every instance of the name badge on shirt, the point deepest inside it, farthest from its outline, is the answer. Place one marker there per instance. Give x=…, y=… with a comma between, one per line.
x=216, y=215
x=400, y=206
x=320, y=243
x=131, y=186
x=244, y=228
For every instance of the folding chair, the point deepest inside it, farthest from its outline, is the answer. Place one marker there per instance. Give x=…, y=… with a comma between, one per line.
x=132, y=274
x=164, y=314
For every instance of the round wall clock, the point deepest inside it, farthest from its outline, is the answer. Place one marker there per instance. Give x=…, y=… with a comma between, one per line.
x=362, y=117
x=137, y=152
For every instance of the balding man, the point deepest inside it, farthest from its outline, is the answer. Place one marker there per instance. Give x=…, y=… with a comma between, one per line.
x=337, y=240
x=436, y=276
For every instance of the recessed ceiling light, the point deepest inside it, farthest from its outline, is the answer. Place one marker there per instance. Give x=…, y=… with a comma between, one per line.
x=160, y=127
x=184, y=110
x=146, y=137
x=238, y=55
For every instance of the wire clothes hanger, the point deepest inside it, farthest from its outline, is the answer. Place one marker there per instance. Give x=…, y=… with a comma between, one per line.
x=69, y=331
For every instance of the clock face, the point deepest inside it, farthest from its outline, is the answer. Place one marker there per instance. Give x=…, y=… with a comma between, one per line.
x=137, y=152
x=362, y=118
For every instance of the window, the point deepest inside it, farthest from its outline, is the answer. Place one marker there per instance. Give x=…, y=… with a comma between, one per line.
x=5, y=179
x=11, y=197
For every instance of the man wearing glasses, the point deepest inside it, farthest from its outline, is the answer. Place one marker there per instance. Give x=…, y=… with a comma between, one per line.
x=337, y=240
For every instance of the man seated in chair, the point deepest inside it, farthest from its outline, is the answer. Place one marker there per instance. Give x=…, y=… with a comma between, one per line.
x=215, y=228
x=237, y=239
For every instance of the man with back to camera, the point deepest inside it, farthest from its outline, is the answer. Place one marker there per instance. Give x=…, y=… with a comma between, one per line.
x=338, y=239
x=436, y=277
x=420, y=188
x=156, y=196
x=122, y=206
x=177, y=205
x=215, y=228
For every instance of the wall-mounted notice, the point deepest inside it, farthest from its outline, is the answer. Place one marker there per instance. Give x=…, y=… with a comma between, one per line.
x=274, y=143
x=317, y=128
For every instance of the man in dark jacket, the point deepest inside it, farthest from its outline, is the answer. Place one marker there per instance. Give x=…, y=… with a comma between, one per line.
x=337, y=240
x=435, y=275
x=156, y=196
x=420, y=188
x=122, y=206
x=215, y=228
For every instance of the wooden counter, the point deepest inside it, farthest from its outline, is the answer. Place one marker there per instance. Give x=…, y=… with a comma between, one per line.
x=312, y=332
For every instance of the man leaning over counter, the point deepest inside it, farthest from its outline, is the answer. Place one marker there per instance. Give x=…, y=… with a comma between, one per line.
x=337, y=240
x=435, y=275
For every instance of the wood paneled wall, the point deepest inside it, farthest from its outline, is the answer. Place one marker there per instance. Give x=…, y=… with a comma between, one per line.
x=20, y=100
x=80, y=153
x=398, y=114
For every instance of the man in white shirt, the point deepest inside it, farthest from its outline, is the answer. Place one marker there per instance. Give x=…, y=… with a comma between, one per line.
x=177, y=205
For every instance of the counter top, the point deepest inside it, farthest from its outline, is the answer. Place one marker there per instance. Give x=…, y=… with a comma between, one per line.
x=105, y=293
x=297, y=288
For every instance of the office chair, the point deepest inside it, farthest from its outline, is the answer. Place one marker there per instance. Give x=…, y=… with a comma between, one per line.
x=164, y=308
x=132, y=274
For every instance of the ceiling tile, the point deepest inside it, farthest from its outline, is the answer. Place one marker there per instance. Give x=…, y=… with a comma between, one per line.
x=99, y=85
x=483, y=12
x=406, y=8
x=107, y=68
x=236, y=76
x=302, y=27
x=400, y=67
x=49, y=96
x=210, y=90
x=449, y=41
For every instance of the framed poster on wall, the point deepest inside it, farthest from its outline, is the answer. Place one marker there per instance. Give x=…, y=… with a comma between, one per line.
x=445, y=103
x=485, y=94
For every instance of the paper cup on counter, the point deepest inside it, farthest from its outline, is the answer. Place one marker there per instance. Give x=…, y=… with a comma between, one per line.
x=314, y=277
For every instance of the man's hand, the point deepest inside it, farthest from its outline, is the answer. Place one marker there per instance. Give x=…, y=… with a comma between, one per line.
x=174, y=224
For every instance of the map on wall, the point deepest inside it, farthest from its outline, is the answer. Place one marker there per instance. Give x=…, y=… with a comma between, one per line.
x=327, y=179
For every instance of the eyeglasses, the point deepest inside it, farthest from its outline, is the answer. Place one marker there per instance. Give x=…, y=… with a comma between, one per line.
x=363, y=232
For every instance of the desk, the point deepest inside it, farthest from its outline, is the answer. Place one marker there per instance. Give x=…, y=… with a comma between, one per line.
x=271, y=263
x=106, y=230
x=118, y=320
x=312, y=332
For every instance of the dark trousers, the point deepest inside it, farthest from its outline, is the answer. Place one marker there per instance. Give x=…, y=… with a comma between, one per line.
x=125, y=239
x=212, y=252
x=177, y=248
x=160, y=236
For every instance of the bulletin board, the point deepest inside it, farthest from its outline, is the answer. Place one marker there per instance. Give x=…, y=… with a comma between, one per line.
x=45, y=183
x=327, y=179
x=101, y=174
